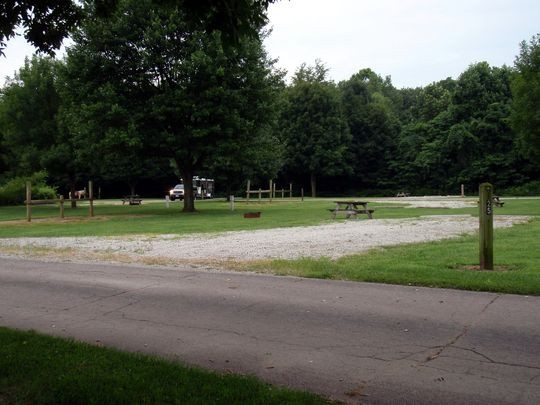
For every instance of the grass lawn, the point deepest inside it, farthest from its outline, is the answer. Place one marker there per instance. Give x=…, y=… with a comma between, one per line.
x=36, y=369
x=448, y=263
x=211, y=216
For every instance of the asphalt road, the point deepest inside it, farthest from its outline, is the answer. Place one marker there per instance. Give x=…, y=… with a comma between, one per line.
x=356, y=342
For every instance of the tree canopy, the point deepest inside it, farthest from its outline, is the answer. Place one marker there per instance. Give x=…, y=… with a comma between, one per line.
x=148, y=95
x=314, y=129
x=143, y=81
x=46, y=23
x=526, y=91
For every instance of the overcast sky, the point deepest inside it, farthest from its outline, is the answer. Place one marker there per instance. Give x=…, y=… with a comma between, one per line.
x=416, y=42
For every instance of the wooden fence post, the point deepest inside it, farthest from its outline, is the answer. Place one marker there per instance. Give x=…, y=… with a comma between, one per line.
x=91, y=197
x=28, y=201
x=486, y=226
x=302, y=193
x=290, y=190
x=62, y=206
x=247, y=191
x=271, y=188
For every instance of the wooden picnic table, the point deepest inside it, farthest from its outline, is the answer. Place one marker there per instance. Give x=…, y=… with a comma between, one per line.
x=495, y=200
x=351, y=209
x=132, y=200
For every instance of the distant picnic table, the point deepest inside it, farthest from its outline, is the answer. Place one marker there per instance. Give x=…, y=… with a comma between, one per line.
x=351, y=209
x=132, y=199
x=496, y=200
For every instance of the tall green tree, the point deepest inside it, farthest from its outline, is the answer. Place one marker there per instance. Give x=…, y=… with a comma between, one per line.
x=46, y=23
x=145, y=81
x=461, y=134
x=479, y=144
x=314, y=128
x=374, y=125
x=28, y=115
x=34, y=137
x=526, y=102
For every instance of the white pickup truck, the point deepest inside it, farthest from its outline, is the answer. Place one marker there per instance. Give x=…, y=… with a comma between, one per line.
x=177, y=192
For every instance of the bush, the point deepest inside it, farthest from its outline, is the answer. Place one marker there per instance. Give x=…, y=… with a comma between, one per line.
x=14, y=191
x=528, y=189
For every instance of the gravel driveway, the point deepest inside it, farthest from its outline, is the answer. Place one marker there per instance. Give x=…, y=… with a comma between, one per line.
x=331, y=240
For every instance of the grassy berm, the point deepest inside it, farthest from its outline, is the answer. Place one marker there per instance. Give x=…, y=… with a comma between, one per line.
x=37, y=369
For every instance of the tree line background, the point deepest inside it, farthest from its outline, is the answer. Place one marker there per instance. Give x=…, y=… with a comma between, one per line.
x=146, y=96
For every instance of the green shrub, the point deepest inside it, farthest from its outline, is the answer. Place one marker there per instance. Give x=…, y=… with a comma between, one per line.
x=528, y=189
x=14, y=191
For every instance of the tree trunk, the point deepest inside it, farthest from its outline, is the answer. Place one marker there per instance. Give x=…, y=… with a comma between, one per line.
x=189, y=200
x=313, y=185
x=72, y=194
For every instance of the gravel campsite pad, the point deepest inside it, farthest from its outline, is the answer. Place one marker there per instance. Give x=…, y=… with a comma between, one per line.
x=332, y=240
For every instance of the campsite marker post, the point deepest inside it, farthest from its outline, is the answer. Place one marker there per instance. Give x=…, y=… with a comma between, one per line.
x=486, y=226
x=28, y=201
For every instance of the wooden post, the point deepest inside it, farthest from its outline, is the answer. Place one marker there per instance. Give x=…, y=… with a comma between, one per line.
x=302, y=190
x=486, y=226
x=28, y=201
x=463, y=190
x=282, y=193
x=290, y=190
x=247, y=191
x=91, y=197
x=271, y=189
x=62, y=206
x=231, y=200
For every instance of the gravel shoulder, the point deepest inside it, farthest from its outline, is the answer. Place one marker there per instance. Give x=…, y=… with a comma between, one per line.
x=330, y=240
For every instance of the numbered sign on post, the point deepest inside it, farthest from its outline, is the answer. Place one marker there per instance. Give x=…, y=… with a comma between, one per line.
x=486, y=226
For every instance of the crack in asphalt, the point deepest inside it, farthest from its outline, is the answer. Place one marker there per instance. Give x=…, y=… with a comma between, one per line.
x=136, y=301
x=447, y=345
x=111, y=296
x=459, y=336
x=502, y=363
x=490, y=303
x=256, y=338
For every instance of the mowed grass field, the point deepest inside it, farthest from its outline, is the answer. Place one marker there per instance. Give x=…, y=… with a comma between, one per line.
x=451, y=263
x=153, y=217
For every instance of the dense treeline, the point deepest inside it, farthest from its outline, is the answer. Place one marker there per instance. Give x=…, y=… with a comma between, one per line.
x=144, y=98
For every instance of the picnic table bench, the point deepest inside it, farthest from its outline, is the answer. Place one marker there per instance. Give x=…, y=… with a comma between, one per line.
x=402, y=194
x=496, y=200
x=132, y=200
x=351, y=209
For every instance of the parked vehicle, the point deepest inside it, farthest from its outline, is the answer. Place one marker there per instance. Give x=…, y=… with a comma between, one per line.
x=202, y=188
x=177, y=192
